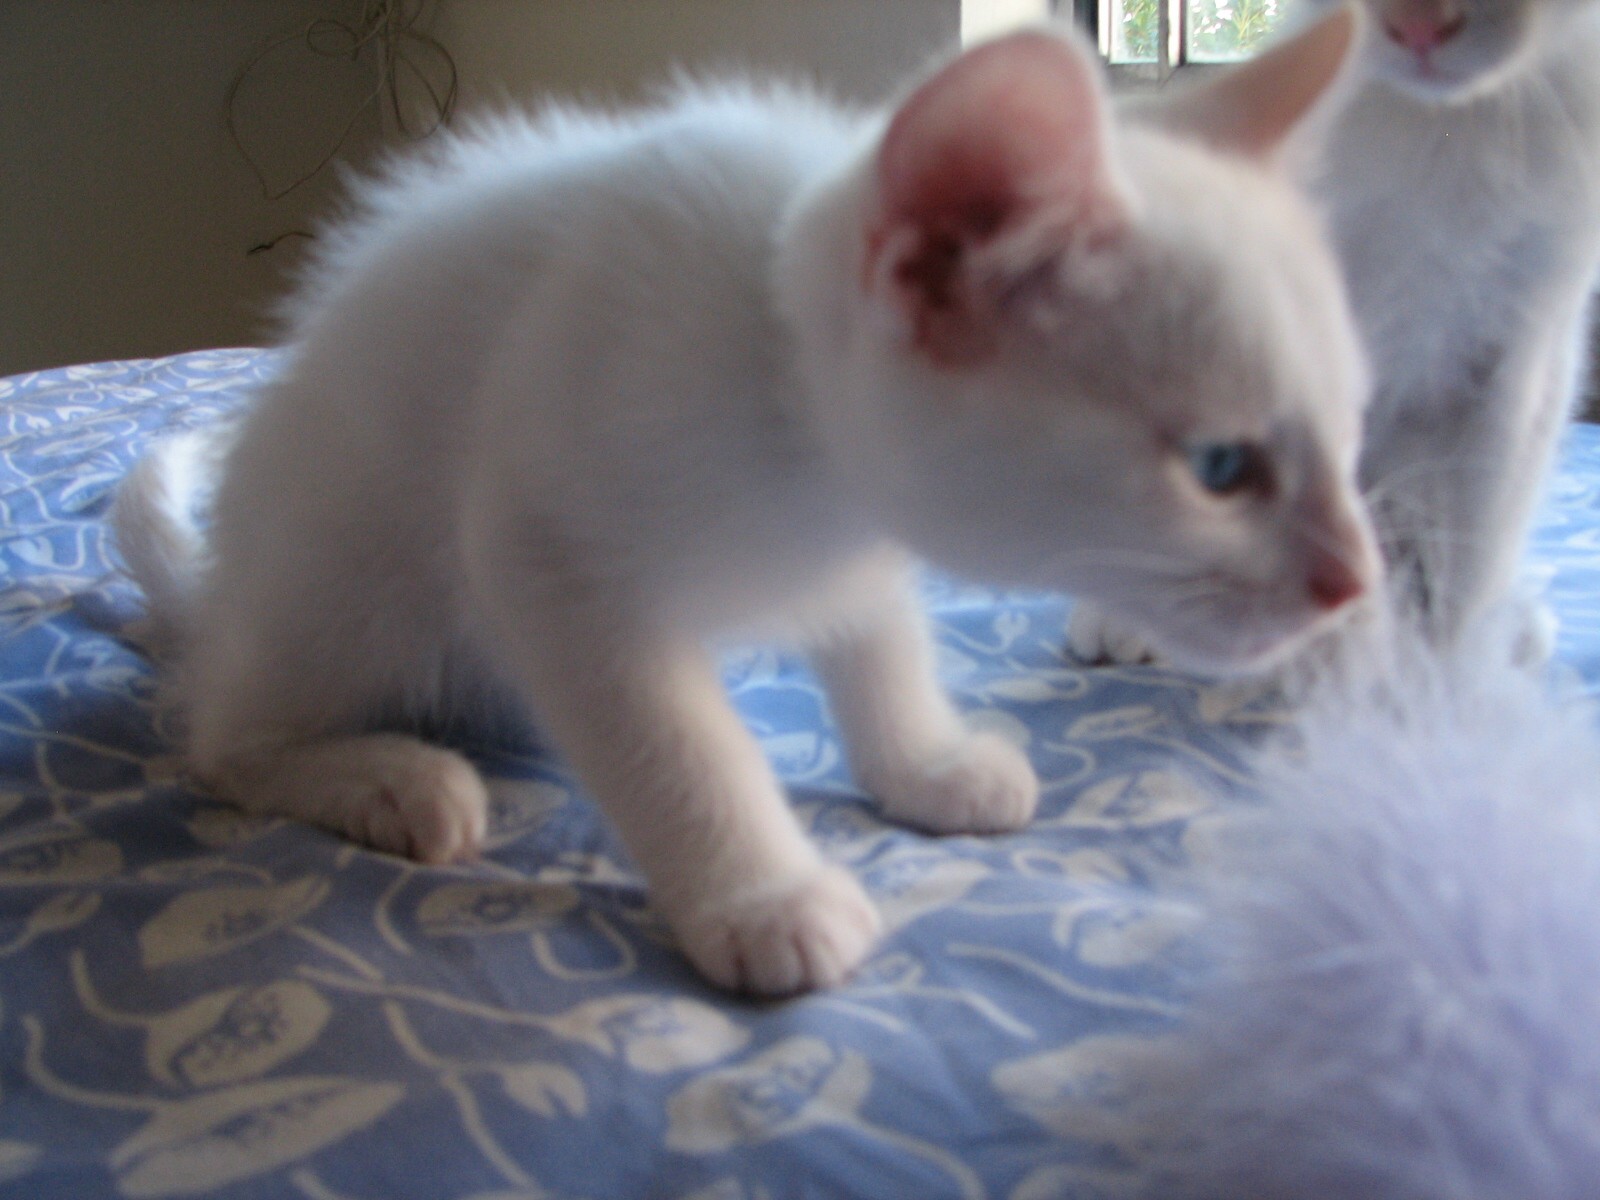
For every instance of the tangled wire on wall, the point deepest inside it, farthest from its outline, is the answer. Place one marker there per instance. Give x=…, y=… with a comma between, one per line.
x=414, y=71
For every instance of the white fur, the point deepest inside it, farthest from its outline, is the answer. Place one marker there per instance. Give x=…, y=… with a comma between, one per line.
x=575, y=398
x=1399, y=1000
x=1464, y=198
x=156, y=535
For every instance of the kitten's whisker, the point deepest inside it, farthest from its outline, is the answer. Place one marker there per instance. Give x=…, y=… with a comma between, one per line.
x=1147, y=562
x=1406, y=477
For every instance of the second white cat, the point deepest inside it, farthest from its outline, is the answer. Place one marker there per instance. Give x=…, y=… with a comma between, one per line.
x=1461, y=181
x=1463, y=188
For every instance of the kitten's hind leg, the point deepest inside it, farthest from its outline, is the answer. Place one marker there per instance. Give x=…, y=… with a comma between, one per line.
x=387, y=790
x=281, y=719
x=908, y=745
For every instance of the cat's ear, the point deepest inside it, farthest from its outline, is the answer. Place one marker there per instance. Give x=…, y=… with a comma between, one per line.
x=1253, y=108
x=987, y=175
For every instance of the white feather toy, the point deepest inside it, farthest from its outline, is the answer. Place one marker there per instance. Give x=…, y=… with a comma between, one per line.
x=1403, y=997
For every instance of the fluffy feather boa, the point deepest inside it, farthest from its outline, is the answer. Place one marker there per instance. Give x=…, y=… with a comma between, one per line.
x=1403, y=993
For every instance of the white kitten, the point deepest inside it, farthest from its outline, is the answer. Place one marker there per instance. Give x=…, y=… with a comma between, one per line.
x=1462, y=184
x=577, y=397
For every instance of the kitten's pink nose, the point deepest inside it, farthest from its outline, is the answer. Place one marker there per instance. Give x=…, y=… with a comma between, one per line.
x=1423, y=32
x=1333, y=582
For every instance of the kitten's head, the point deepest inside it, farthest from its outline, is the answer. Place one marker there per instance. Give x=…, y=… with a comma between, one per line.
x=1449, y=51
x=1111, y=360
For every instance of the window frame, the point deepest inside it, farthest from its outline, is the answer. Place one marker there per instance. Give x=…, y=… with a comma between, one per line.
x=1172, y=42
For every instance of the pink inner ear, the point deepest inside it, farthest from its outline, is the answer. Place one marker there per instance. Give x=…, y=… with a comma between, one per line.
x=1009, y=133
x=1009, y=125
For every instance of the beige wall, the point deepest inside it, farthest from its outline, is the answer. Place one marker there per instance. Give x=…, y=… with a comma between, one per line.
x=609, y=48
x=127, y=217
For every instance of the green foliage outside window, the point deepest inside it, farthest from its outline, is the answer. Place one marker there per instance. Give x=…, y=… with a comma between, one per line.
x=1223, y=29
x=1133, y=39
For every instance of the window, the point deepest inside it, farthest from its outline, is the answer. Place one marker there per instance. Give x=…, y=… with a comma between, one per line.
x=1159, y=35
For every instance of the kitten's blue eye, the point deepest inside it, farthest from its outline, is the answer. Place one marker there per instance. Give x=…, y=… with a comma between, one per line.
x=1227, y=467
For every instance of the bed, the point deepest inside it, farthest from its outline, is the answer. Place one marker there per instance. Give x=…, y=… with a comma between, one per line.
x=197, y=1002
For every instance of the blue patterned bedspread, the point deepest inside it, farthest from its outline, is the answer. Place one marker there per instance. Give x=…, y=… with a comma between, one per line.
x=194, y=1002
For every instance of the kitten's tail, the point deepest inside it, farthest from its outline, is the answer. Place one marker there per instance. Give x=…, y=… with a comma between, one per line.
x=1404, y=963
x=154, y=522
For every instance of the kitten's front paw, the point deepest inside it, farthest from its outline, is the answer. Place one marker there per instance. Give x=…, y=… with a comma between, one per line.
x=1097, y=638
x=986, y=786
x=808, y=934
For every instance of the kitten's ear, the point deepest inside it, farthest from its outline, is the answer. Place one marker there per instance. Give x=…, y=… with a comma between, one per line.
x=1254, y=107
x=988, y=174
